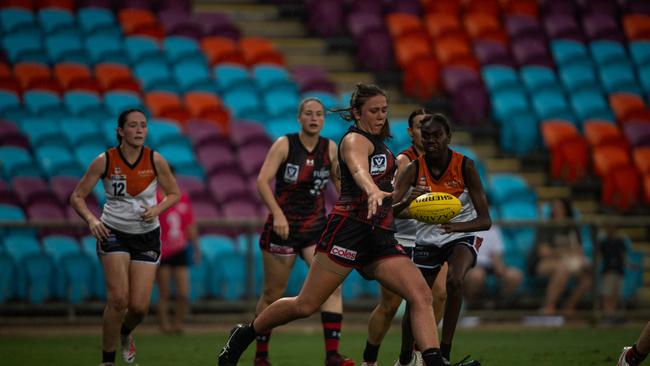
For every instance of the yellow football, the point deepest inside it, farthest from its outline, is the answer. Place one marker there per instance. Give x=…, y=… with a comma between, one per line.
x=435, y=207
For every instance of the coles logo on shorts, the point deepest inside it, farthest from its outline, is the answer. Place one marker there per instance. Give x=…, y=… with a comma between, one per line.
x=343, y=253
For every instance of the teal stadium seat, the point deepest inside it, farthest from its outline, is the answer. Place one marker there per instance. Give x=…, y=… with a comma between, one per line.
x=94, y=20
x=507, y=104
x=104, y=47
x=13, y=19
x=538, y=78
x=140, y=48
x=24, y=47
x=644, y=78
x=17, y=162
x=505, y=187
x=279, y=103
x=353, y=286
x=608, y=53
x=548, y=105
x=17, y=248
x=330, y=101
x=118, y=101
x=56, y=21
x=38, y=269
x=179, y=48
x=42, y=132
x=87, y=153
x=500, y=78
x=273, y=77
x=57, y=160
x=193, y=76
x=77, y=271
x=59, y=247
x=81, y=131
x=591, y=104
x=640, y=52
x=97, y=285
x=10, y=106
x=244, y=104
x=181, y=157
x=334, y=127
x=65, y=48
x=231, y=76
x=233, y=271
x=524, y=237
x=44, y=103
x=279, y=127
x=85, y=104
x=212, y=247
x=155, y=75
x=633, y=280
x=7, y=278
x=162, y=131
x=576, y=77
x=567, y=52
x=297, y=278
x=619, y=78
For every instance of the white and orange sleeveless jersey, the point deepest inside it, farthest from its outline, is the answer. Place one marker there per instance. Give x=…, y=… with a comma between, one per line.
x=128, y=188
x=452, y=181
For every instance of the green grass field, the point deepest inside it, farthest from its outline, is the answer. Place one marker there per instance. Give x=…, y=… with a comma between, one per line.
x=582, y=346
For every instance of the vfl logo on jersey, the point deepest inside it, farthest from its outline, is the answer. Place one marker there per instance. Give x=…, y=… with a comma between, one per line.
x=378, y=164
x=291, y=173
x=343, y=253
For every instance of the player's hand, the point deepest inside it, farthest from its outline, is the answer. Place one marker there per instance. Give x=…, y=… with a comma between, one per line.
x=98, y=230
x=417, y=192
x=450, y=227
x=149, y=214
x=376, y=199
x=281, y=226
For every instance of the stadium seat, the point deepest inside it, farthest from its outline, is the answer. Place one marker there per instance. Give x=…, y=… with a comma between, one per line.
x=178, y=48
x=531, y=51
x=57, y=160
x=538, y=78
x=619, y=78
x=602, y=25
x=562, y=25
x=500, y=78
x=116, y=77
x=548, y=105
x=10, y=135
x=208, y=107
x=105, y=48
x=628, y=106
x=410, y=47
x=272, y=77
x=602, y=133
x=637, y=26
x=220, y=50
x=17, y=162
x=280, y=103
x=179, y=156
x=164, y=104
x=192, y=75
x=505, y=188
x=32, y=75
x=14, y=19
x=576, y=77
x=24, y=47
x=140, y=22
x=455, y=51
x=353, y=286
x=569, y=151
x=637, y=133
x=641, y=159
x=155, y=75
x=233, y=275
x=7, y=278
x=259, y=50
x=608, y=53
x=38, y=271
x=244, y=103
x=589, y=104
x=140, y=48
x=93, y=20
x=421, y=79
x=401, y=24
x=251, y=158
x=56, y=21
x=524, y=237
x=484, y=26
x=118, y=101
x=441, y=24
x=228, y=187
x=640, y=52
x=521, y=7
x=163, y=131
x=44, y=103
x=644, y=78
x=245, y=132
x=75, y=76
x=231, y=76
x=508, y=103
x=65, y=48
x=218, y=24
x=85, y=104
x=79, y=131
x=42, y=131
x=621, y=188
x=59, y=248
x=76, y=274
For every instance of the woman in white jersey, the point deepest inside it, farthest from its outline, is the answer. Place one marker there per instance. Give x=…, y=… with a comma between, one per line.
x=128, y=232
x=444, y=170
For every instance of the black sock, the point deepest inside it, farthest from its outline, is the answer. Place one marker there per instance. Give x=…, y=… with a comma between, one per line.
x=405, y=357
x=108, y=357
x=125, y=331
x=370, y=352
x=634, y=357
x=445, y=350
x=432, y=357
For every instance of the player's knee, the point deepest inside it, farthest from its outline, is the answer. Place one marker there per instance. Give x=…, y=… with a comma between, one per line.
x=439, y=294
x=422, y=299
x=271, y=294
x=454, y=283
x=118, y=302
x=138, y=310
x=305, y=308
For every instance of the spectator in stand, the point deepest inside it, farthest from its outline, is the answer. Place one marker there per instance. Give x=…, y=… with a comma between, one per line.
x=612, y=248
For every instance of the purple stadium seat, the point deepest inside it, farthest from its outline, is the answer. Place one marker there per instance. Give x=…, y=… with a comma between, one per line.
x=325, y=18
x=135, y=4
x=470, y=105
x=11, y=135
x=228, y=187
x=563, y=26
x=361, y=22
x=31, y=190
x=46, y=211
x=178, y=23
x=599, y=7
x=194, y=188
x=106, y=4
x=218, y=24
x=312, y=78
x=206, y=211
x=489, y=52
x=455, y=78
x=175, y=5
x=637, y=133
x=602, y=26
x=251, y=158
x=558, y=7
x=636, y=7
x=6, y=195
x=241, y=209
x=530, y=51
x=202, y=133
x=246, y=132
x=217, y=158
x=521, y=26
x=62, y=187
x=375, y=51
x=71, y=214
x=405, y=6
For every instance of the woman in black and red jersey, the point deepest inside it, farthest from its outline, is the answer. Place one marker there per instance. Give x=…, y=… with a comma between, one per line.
x=358, y=235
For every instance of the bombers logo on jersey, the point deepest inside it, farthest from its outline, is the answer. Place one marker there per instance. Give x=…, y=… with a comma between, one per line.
x=378, y=164
x=291, y=173
x=343, y=253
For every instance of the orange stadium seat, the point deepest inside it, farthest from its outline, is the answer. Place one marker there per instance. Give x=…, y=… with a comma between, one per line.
x=7, y=79
x=167, y=105
x=646, y=189
x=140, y=22
x=442, y=6
x=221, y=49
x=401, y=24
x=627, y=106
x=33, y=75
x=24, y=4
x=75, y=76
x=5, y=70
x=569, y=151
x=116, y=77
x=637, y=26
x=602, y=133
x=421, y=78
x=208, y=106
x=491, y=7
x=440, y=24
x=608, y=157
x=411, y=47
x=62, y=4
x=485, y=26
x=455, y=50
x=521, y=7
x=642, y=159
x=259, y=50
x=621, y=188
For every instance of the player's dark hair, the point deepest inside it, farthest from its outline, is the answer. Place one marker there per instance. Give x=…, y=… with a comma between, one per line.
x=301, y=106
x=418, y=112
x=443, y=120
x=121, y=120
x=362, y=92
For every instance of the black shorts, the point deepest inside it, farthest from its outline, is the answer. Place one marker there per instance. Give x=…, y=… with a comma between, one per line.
x=143, y=247
x=294, y=244
x=180, y=259
x=352, y=243
x=431, y=257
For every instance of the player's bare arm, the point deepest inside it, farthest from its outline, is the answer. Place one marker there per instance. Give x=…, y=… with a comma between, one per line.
x=335, y=172
x=82, y=190
x=482, y=221
x=274, y=158
x=167, y=185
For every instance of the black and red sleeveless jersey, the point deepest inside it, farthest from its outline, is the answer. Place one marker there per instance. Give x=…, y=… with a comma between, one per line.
x=300, y=182
x=353, y=202
x=410, y=153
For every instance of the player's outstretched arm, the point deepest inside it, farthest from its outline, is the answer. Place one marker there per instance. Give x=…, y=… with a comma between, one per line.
x=403, y=183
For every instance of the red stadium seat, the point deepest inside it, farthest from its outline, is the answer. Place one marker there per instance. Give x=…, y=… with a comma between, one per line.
x=259, y=50
x=167, y=105
x=33, y=75
x=485, y=26
x=491, y=7
x=569, y=151
x=221, y=49
x=627, y=106
x=62, y=4
x=75, y=76
x=24, y=4
x=7, y=79
x=455, y=50
x=642, y=159
x=521, y=7
x=637, y=26
x=448, y=6
x=140, y=22
x=208, y=107
x=606, y=158
x=621, y=188
x=646, y=189
x=401, y=24
x=421, y=79
x=603, y=133
x=116, y=77
x=440, y=24
x=411, y=47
